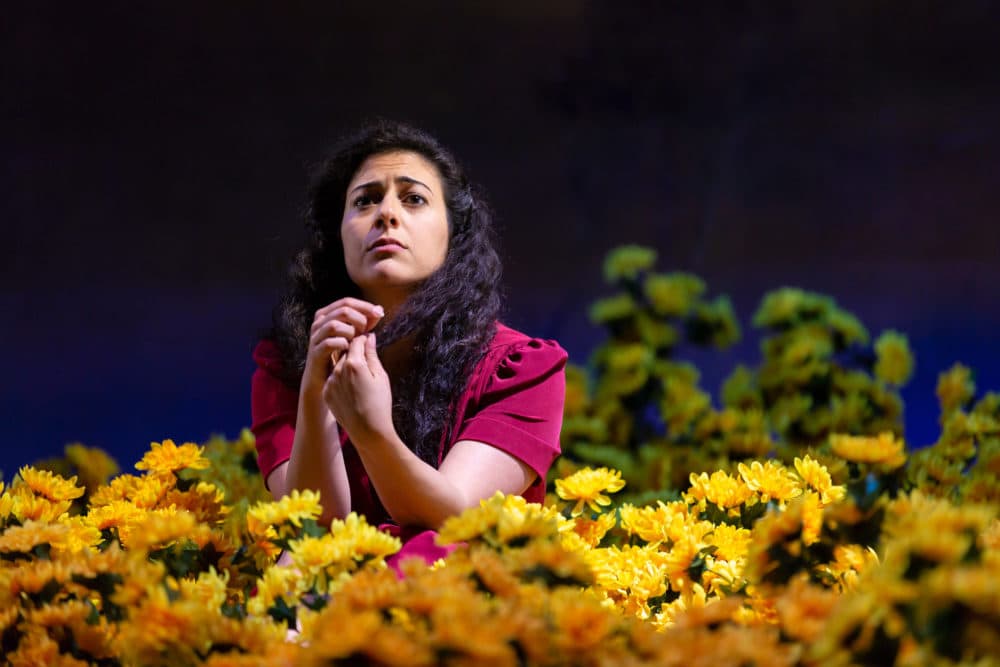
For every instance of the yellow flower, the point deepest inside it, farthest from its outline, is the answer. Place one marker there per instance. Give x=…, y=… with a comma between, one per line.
x=625, y=262
x=588, y=486
x=362, y=541
x=732, y=542
x=673, y=294
x=23, y=504
x=166, y=457
x=80, y=536
x=803, y=609
x=50, y=486
x=93, y=464
x=23, y=539
x=502, y=518
x=847, y=327
x=719, y=488
x=204, y=500
x=849, y=561
x=293, y=508
x=955, y=388
x=787, y=305
x=693, y=598
x=161, y=528
x=209, y=589
x=277, y=582
x=812, y=518
x=631, y=575
x=593, y=530
x=804, y=345
x=665, y=522
x=715, y=322
x=114, y=514
x=816, y=477
x=894, y=364
x=612, y=309
x=883, y=449
x=771, y=480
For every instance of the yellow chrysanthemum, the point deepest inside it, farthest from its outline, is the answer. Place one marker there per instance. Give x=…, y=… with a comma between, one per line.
x=630, y=575
x=612, y=309
x=503, y=519
x=588, y=486
x=673, y=294
x=167, y=457
x=209, y=588
x=955, y=388
x=277, y=582
x=894, y=360
x=361, y=540
x=161, y=528
x=49, y=485
x=204, y=500
x=816, y=477
x=23, y=539
x=94, y=465
x=293, y=508
x=786, y=305
x=80, y=536
x=115, y=514
x=719, y=488
x=23, y=504
x=849, y=561
x=812, y=518
x=627, y=261
x=771, y=480
x=693, y=598
x=883, y=449
x=665, y=522
x=731, y=542
x=593, y=530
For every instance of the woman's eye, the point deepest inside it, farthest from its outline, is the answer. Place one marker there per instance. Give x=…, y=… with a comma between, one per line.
x=363, y=200
x=413, y=198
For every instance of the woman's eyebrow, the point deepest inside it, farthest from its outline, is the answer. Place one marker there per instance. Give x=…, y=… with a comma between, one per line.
x=399, y=179
x=412, y=181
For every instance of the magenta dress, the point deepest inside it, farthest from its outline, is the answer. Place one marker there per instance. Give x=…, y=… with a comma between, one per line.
x=514, y=402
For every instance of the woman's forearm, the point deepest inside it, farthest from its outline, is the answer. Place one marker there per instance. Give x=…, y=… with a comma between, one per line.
x=414, y=493
x=317, y=460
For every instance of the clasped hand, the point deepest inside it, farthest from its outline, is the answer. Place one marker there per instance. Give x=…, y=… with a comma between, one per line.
x=344, y=371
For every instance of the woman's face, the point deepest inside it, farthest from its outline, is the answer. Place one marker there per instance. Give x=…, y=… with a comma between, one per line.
x=395, y=227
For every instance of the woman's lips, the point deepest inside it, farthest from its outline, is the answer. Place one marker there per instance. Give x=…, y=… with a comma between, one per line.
x=389, y=247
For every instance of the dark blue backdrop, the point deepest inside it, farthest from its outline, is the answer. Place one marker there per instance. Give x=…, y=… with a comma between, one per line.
x=154, y=162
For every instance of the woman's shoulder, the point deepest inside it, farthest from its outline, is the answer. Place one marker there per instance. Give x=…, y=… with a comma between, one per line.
x=508, y=338
x=267, y=355
x=515, y=356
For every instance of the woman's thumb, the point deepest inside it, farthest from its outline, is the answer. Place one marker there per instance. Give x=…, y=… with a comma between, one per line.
x=371, y=352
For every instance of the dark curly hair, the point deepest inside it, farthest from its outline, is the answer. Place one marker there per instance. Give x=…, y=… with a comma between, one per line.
x=451, y=316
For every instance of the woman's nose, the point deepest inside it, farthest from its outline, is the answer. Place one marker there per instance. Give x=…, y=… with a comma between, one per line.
x=388, y=215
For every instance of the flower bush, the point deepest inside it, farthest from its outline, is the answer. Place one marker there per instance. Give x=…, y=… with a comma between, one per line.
x=792, y=526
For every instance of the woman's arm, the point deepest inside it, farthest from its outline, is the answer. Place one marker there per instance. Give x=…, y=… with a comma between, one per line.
x=413, y=492
x=317, y=460
x=416, y=494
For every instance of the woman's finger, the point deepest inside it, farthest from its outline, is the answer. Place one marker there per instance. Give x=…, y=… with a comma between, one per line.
x=370, y=311
x=346, y=316
x=332, y=329
x=355, y=357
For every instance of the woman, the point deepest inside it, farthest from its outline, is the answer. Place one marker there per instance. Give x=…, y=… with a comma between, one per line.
x=387, y=382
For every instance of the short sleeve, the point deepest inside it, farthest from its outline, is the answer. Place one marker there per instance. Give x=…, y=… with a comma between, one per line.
x=520, y=408
x=273, y=407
